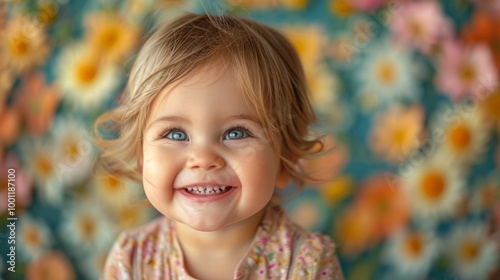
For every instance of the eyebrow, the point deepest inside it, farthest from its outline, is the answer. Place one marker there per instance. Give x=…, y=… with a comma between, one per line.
x=186, y=121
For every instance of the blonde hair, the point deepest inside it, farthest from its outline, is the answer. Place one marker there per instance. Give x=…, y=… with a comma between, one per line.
x=264, y=62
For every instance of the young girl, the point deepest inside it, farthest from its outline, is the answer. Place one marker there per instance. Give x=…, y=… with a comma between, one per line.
x=214, y=118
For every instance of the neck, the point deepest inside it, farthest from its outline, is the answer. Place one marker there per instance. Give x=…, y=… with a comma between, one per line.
x=224, y=246
x=227, y=239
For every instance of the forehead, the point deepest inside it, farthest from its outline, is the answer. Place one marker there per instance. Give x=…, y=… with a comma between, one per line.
x=205, y=88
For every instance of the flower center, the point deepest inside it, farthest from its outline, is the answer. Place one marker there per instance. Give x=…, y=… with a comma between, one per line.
x=72, y=151
x=433, y=185
x=43, y=166
x=467, y=72
x=414, y=245
x=19, y=45
x=32, y=237
x=460, y=137
x=470, y=251
x=400, y=137
x=386, y=73
x=86, y=72
x=111, y=183
x=416, y=29
x=108, y=38
x=87, y=228
x=128, y=216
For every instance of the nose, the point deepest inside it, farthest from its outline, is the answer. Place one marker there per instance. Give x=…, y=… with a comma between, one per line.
x=205, y=158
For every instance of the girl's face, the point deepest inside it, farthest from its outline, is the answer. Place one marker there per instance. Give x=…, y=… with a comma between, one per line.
x=206, y=161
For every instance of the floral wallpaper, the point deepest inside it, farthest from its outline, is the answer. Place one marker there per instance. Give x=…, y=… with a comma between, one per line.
x=408, y=91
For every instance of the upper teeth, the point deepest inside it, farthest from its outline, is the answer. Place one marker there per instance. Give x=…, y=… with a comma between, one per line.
x=206, y=190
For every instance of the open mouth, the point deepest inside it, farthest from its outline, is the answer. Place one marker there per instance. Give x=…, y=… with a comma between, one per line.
x=208, y=190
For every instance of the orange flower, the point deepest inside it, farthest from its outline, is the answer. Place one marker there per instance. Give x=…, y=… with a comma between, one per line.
x=111, y=36
x=325, y=168
x=386, y=202
x=37, y=103
x=10, y=126
x=354, y=230
x=483, y=28
x=51, y=266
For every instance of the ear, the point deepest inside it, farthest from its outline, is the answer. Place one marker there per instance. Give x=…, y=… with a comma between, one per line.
x=282, y=178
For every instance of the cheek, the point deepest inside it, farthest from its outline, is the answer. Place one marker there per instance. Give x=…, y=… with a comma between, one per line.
x=158, y=171
x=259, y=166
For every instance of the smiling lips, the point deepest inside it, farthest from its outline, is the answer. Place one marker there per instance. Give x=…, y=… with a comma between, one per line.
x=207, y=190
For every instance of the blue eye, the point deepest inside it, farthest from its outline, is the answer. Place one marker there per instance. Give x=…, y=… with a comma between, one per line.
x=236, y=134
x=177, y=135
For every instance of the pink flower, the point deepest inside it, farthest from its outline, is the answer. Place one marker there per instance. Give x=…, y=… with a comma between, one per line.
x=397, y=132
x=421, y=24
x=366, y=5
x=465, y=71
x=22, y=183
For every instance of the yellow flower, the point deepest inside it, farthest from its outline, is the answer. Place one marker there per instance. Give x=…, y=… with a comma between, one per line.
x=341, y=8
x=255, y=4
x=397, y=132
x=337, y=190
x=23, y=45
x=111, y=36
x=294, y=4
x=309, y=42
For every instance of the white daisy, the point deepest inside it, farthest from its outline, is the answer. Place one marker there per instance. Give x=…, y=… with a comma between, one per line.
x=411, y=252
x=93, y=266
x=486, y=193
x=111, y=35
x=465, y=133
x=113, y=190
x=474, y=255
x=23, y=44
x=387, y=74
x=434, y=186
x=33, y=238
x=131, y=215
x=41, y=163
x=74, y=150
x=87, y=228
x=85, y=80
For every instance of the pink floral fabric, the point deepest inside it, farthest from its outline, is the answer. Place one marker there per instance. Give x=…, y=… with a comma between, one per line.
x=280, y=250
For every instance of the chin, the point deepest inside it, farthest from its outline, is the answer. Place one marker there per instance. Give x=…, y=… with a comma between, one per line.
x=204, y=226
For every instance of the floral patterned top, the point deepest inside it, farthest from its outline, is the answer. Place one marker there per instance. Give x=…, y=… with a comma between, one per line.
x=280, y=250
